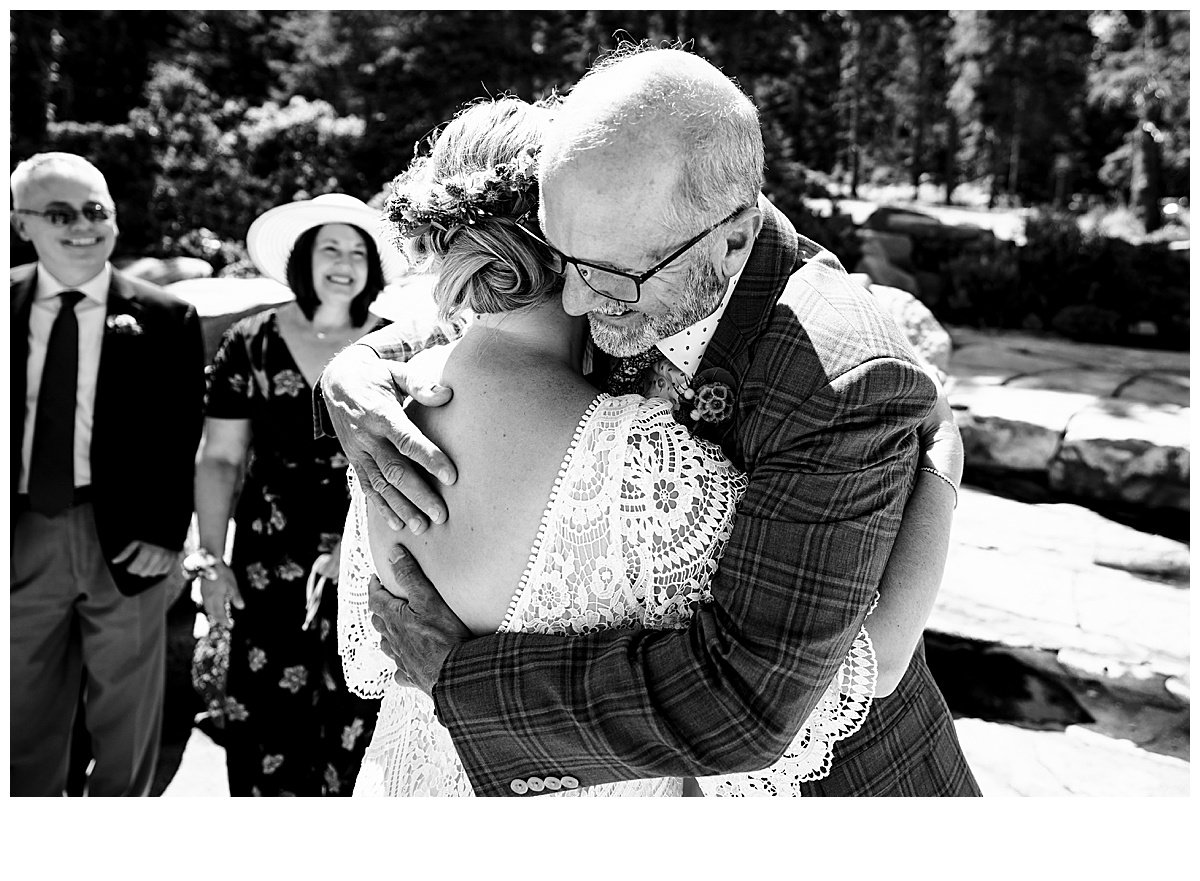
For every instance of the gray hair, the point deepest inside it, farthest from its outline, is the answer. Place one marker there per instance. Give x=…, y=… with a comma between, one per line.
x=28, y=171
x=667, y=101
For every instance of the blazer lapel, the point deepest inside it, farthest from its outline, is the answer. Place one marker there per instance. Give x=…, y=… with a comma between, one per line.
x=777, y=253
x=112, y=379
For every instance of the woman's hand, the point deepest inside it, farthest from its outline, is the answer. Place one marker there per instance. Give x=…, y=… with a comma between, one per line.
x=219, y=592
x=364, y=396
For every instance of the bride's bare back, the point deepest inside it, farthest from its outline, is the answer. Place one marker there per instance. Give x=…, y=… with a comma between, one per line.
x=518, y=399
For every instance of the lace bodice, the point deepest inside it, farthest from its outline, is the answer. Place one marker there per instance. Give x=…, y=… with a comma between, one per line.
x=631, y=535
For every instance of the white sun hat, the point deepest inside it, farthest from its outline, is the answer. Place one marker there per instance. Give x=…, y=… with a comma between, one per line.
x=272, y=236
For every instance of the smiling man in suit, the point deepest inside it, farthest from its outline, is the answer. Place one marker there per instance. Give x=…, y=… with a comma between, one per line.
x=107, y=382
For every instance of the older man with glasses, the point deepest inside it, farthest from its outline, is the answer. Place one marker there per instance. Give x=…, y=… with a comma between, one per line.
x=650, y=201
x=107, y=383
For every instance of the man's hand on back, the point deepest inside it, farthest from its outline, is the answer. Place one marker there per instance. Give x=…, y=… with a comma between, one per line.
x=419, y=631
x=364, y=395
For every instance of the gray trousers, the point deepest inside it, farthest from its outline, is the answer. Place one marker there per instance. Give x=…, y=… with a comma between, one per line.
x=69, y=625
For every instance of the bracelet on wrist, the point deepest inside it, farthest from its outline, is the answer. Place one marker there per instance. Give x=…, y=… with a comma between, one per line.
x=940, y=476
x=201, y=563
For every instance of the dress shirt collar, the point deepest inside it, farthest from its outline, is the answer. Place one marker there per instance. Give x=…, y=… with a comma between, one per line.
x=686, y=349
x=95, y=288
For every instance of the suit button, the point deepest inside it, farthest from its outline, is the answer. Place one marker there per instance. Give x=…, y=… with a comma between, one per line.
x=536, y=784
x=569, y=782
x=520, y=787
x=553, y=784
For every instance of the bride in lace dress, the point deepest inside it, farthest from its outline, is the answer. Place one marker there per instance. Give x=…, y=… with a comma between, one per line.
x=574, y=510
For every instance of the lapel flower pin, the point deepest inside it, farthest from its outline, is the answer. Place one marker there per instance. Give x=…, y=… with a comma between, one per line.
x=707, y=399
x=713, y=401
x=123, y=324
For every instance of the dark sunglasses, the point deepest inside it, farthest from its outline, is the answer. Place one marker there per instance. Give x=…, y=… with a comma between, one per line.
x=65, y=215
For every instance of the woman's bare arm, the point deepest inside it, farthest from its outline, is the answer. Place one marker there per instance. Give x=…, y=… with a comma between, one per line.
x=918, y=560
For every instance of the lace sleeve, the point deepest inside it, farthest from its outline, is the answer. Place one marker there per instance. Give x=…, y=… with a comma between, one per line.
x=678, y=500
x=367, y=669
x=679, y=495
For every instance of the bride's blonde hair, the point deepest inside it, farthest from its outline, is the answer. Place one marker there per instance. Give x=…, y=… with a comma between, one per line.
x=455, y=211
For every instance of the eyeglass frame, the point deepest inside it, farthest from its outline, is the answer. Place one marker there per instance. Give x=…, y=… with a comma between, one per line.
x=92, y=212
x=638, y=279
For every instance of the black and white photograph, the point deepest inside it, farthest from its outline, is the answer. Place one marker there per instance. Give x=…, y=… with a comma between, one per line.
x=599, y=403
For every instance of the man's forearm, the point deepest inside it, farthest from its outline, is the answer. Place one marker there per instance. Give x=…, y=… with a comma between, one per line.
x=806, y=557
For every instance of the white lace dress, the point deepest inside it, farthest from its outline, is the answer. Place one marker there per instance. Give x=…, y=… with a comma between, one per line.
x=632, y=534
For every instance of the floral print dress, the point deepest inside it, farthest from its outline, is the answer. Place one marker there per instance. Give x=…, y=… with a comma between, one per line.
x=292, y=727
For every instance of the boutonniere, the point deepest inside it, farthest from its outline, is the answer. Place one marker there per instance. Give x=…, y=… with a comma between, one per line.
x=713, y=400
x=123, y=324
x=707, y=399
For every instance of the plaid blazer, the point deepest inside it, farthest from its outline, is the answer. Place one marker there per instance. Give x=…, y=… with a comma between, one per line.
x=828, y=396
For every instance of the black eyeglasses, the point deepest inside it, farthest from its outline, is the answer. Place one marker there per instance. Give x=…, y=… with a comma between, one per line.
x=65, y=215
x=624, y=287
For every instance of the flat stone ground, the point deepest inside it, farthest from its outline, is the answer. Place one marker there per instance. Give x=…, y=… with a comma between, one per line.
x=1007, y=760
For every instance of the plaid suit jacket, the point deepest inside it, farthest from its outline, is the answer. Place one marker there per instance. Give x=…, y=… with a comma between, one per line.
x=828, y=395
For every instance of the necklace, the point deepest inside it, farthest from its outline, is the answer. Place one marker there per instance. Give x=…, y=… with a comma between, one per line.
x=324, y=334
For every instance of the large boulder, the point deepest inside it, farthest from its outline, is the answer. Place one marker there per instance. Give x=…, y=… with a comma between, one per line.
x=930, y=340
x=1107, y=601
x=918, y=225
x=1125, y=451
x=883, y=272
x=166, y=271
x=893, y=247
x=222, y=301
x=1010, y=429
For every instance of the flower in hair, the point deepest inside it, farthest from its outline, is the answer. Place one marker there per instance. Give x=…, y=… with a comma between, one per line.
x=505, y=190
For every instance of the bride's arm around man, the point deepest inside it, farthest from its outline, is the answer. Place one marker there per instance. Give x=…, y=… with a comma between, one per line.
x=647, y=150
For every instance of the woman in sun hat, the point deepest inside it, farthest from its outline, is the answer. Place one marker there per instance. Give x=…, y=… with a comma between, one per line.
x=290, y=725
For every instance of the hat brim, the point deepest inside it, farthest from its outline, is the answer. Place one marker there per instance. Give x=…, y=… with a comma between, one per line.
x=272, y=236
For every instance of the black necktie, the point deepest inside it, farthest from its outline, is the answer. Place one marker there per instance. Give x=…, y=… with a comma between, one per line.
x=627, y=376
x=52, y=462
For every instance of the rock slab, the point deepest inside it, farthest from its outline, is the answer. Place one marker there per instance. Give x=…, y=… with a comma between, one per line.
x=1103, y=602
x=1097, y=424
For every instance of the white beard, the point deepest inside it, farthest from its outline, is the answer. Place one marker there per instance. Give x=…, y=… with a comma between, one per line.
x=702, y=290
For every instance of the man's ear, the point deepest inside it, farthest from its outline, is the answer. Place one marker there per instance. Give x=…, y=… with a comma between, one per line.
x=19, y=225
x=738, y=241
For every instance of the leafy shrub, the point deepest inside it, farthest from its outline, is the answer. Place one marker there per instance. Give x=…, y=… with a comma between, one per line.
x=985, y=284
x=1088, y=323
x=301, y=149
x=1085, y=285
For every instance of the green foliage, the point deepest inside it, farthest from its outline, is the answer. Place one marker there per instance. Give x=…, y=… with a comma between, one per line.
x=985, y=280
x=1082, y=283
x=300, y=150
x=197, y=171
x=1141, y=70
x=202, y=119
x=1019, y=95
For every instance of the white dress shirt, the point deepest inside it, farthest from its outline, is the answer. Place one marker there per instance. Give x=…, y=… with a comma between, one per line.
x=90, y=312
x=686, y=349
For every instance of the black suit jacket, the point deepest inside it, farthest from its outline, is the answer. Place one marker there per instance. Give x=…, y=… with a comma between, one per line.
x=149, y=412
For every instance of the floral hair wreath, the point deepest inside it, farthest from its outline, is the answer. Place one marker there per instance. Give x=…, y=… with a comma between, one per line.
x=505, y=190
